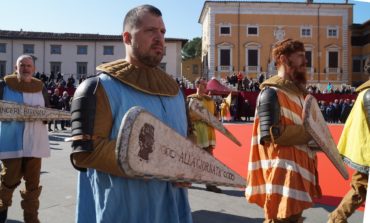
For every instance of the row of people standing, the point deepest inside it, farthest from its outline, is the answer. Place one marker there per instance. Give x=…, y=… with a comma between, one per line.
x=61, y=102
x=230, y=110
x=243, y=82
x=61, y=93
x=337, y=111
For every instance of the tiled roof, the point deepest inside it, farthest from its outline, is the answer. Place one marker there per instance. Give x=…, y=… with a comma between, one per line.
x=8, y=34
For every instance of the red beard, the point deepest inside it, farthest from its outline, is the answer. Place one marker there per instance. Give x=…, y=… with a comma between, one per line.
x=299, y=77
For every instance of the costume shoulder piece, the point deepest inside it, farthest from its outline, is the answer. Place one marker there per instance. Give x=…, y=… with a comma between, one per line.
x=285, y=85
x=363, y=86
x=192, y=96
x=149, y=80
x=28, y=87
x=197, y=96
x=207, y=97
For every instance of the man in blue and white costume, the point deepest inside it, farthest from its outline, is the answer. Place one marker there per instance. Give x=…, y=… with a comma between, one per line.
x=105, y=194
x=23, y=144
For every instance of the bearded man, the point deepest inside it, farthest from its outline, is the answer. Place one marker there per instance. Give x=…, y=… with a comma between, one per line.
x=105, y=193
x=23, y=144
x=282, y=170
x=204, y=134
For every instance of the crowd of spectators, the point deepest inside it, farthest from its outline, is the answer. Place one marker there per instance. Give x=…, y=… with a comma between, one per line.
x=245, y=83
x=336, y=111
x=60, y=94
x=330, y=89
x=333, y=112
x=235, y=111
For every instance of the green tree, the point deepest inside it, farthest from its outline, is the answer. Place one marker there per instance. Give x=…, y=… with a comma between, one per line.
x=192, y=49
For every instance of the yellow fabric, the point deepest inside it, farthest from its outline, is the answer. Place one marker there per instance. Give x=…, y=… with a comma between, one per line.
x=152, y=81
x=224, y=109
x=14, y=83
x=228, y=100
x=354, y=142
x=204, y=133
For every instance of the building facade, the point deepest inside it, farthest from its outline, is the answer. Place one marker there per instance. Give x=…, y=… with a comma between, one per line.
x=239, y=37
x=74, y=53
x=360, y=51
x=191, y=69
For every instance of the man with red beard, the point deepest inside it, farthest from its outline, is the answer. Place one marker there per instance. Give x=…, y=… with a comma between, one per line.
x=105, y=193
x=282, y=170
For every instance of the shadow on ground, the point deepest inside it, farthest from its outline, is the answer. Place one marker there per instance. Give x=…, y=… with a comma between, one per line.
x=329, y=203
x=58, y=138
x=13, y=221
x=53, y=148
x=205, y=216
x=234, y=193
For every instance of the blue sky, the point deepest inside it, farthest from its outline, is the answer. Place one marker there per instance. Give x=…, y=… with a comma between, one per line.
x=105, y=16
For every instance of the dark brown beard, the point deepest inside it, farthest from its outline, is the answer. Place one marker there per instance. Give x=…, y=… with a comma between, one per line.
x=299, y=77
x=148, y=60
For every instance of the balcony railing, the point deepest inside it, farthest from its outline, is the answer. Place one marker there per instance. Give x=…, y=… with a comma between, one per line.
x=224, y=68
x=252, y=69
x=333, y=70
x=309, y=70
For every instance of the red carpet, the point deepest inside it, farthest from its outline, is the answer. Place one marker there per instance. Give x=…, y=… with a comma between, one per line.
x=333, y=186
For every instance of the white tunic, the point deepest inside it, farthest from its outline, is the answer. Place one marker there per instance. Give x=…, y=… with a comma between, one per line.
x=35, y=135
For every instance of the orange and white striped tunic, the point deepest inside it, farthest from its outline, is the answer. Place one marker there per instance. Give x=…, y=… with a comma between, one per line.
x=282, y=179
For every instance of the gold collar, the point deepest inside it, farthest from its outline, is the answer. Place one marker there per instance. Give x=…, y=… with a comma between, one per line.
x=28, y=87
x=283, y=84
x=149, y=80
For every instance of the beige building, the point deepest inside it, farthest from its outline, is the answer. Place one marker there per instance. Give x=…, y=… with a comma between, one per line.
x=75, y=53
x=239, y=36
x=191, y=69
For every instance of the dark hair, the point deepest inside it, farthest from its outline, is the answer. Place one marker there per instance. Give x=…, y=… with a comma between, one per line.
x=132, y=18
x=286, y=47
